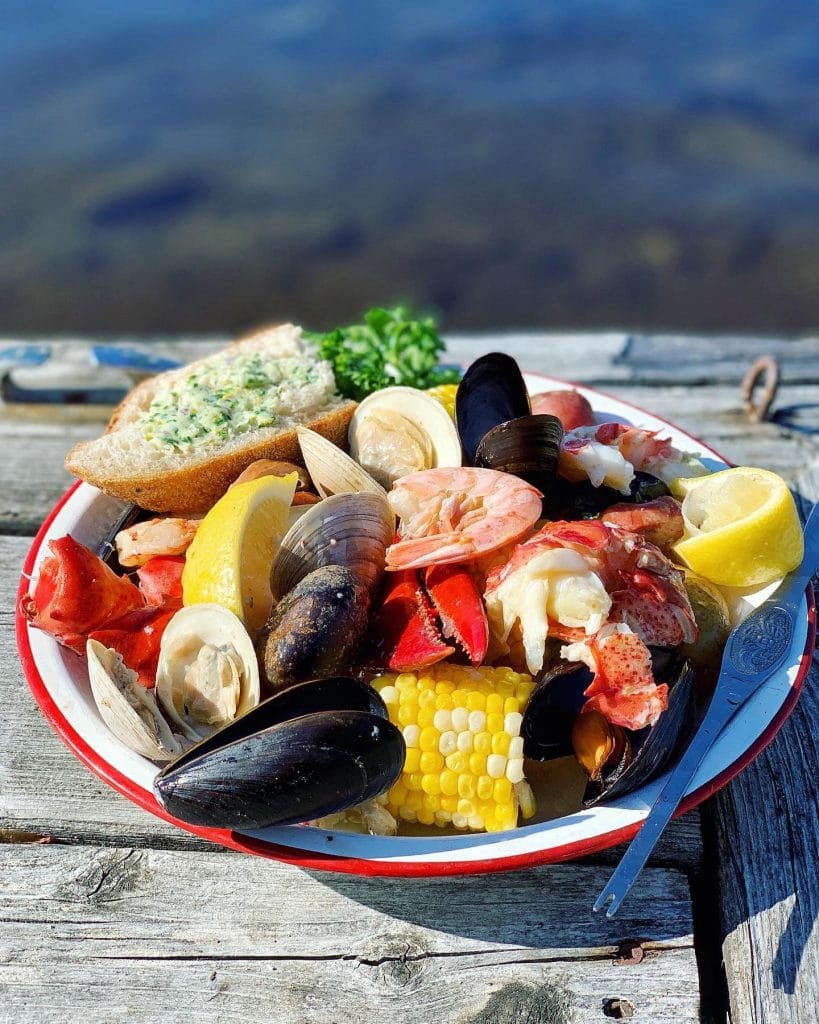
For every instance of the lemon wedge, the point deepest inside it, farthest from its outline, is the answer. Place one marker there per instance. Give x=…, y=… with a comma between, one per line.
x=741, y=527
x=229, y=561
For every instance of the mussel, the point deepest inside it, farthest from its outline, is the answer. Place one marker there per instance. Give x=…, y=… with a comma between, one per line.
x=528, y=447
x=492, y=392
x=616, y=760
x=315, y=749
x=316, y=628
x=583, y=500
x=352, y=530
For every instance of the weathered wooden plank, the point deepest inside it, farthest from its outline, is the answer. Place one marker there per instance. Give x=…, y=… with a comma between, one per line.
x=765, y=830
x=218, y=936
x=83, y=809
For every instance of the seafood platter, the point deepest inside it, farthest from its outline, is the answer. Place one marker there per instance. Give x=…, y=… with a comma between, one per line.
x=472, y=635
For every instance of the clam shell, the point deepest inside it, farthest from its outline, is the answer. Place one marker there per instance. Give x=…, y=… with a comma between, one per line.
x=402, y=430
x=315, y=749
x=129, y=710
x=331, y=469
x=179, y=678
x=352, y=530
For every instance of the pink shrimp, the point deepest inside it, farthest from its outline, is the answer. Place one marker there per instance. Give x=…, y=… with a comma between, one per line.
x=458, y=514
x=611, y=452
x=571, y=579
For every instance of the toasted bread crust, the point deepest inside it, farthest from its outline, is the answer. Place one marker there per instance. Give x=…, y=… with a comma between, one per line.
x=194, y=489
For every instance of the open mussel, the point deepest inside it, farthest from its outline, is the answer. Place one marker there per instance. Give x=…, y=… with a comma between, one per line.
x=528, y=447
x=315, y=749
x=351, y=530
x=616, y=760
x=492, y=391
x=316, y=628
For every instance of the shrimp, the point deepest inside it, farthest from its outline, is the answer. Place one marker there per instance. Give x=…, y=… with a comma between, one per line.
x=457, y=514
x=570, y=580
x=611, y=452
x=140, y=543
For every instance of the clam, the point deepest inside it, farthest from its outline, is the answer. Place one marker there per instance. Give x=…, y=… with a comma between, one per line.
x=316, y=629
x=352, y=530
x=492, y=391
x=315, y=749
x=207, y=673
x=128, y=709
x=527, y=447
x=332, y=470
x=616, y=760
x=402, y=430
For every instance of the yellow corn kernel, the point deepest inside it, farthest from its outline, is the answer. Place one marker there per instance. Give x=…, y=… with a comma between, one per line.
x=466, y=808
x=449, y=783
x=502, y=791
x=510, y=705
x=430, y=784
x=413, y=760
x=494, y=723
x=449, y=804
x=494, y=704
x=426, y=716
x=459, y=699
x=431, y=761
x=477, y=763
x=483, y=743
x=428, y=740
x=526, y=799
x=467, y=787
x=500, y=743
x=415, y=801
x=485, y=788
x=475, y=701
x=398, y=794
x=431, y=803
x=426, y=699
x=406, y=714
x=443, y=702
x=457, y=762
x=414, y=781
x=426, y=817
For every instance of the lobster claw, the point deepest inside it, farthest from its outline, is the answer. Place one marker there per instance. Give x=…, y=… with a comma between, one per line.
x=404, y=628
x=458, y=602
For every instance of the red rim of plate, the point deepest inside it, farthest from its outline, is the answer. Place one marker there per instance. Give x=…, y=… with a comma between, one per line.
x=355, y=865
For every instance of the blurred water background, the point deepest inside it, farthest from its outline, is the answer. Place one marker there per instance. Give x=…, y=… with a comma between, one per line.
x=210, y=164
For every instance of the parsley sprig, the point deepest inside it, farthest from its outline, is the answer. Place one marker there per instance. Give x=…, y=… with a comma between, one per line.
x=388, y=348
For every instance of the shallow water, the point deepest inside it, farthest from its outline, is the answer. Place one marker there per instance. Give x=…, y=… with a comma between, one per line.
x=209, y=165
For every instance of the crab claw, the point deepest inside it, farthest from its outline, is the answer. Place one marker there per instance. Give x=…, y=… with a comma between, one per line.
x=458, y=602
x=404, y=627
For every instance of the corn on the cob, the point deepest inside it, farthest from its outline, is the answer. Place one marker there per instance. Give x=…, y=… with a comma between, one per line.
x=464, y=763
x=445, y=394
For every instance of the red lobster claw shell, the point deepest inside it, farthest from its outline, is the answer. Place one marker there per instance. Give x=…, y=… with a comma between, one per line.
x=407, y=637
x=458, y=602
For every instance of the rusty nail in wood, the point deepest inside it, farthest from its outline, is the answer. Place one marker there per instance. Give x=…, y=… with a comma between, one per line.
x=619, y=1009
x=630, y=951
x=766, y=368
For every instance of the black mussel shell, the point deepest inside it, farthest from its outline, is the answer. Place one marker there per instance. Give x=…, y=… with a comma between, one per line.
x=528, y=447
x=314, y=749
x=551, y=711
x=645, y=487
x=296, y=771
x=316, y=629
x=492, y=391
x=652, y=749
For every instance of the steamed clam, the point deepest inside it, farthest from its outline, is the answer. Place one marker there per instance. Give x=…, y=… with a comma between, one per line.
x=207, y=673
x=353, y=530
x=332, y=470
x=128, y=709
x=312, y=750
x=402, y=430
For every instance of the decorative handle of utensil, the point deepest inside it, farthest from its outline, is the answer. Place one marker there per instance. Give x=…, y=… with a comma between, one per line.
x=754, y=651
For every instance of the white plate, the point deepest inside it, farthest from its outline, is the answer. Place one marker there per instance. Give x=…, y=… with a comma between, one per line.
x=59, y=682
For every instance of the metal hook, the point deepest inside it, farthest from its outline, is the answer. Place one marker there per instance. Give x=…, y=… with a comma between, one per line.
x=765, y=368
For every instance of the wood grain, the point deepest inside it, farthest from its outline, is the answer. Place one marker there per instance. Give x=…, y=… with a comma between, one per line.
x=764, y=828
x=219, y=937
